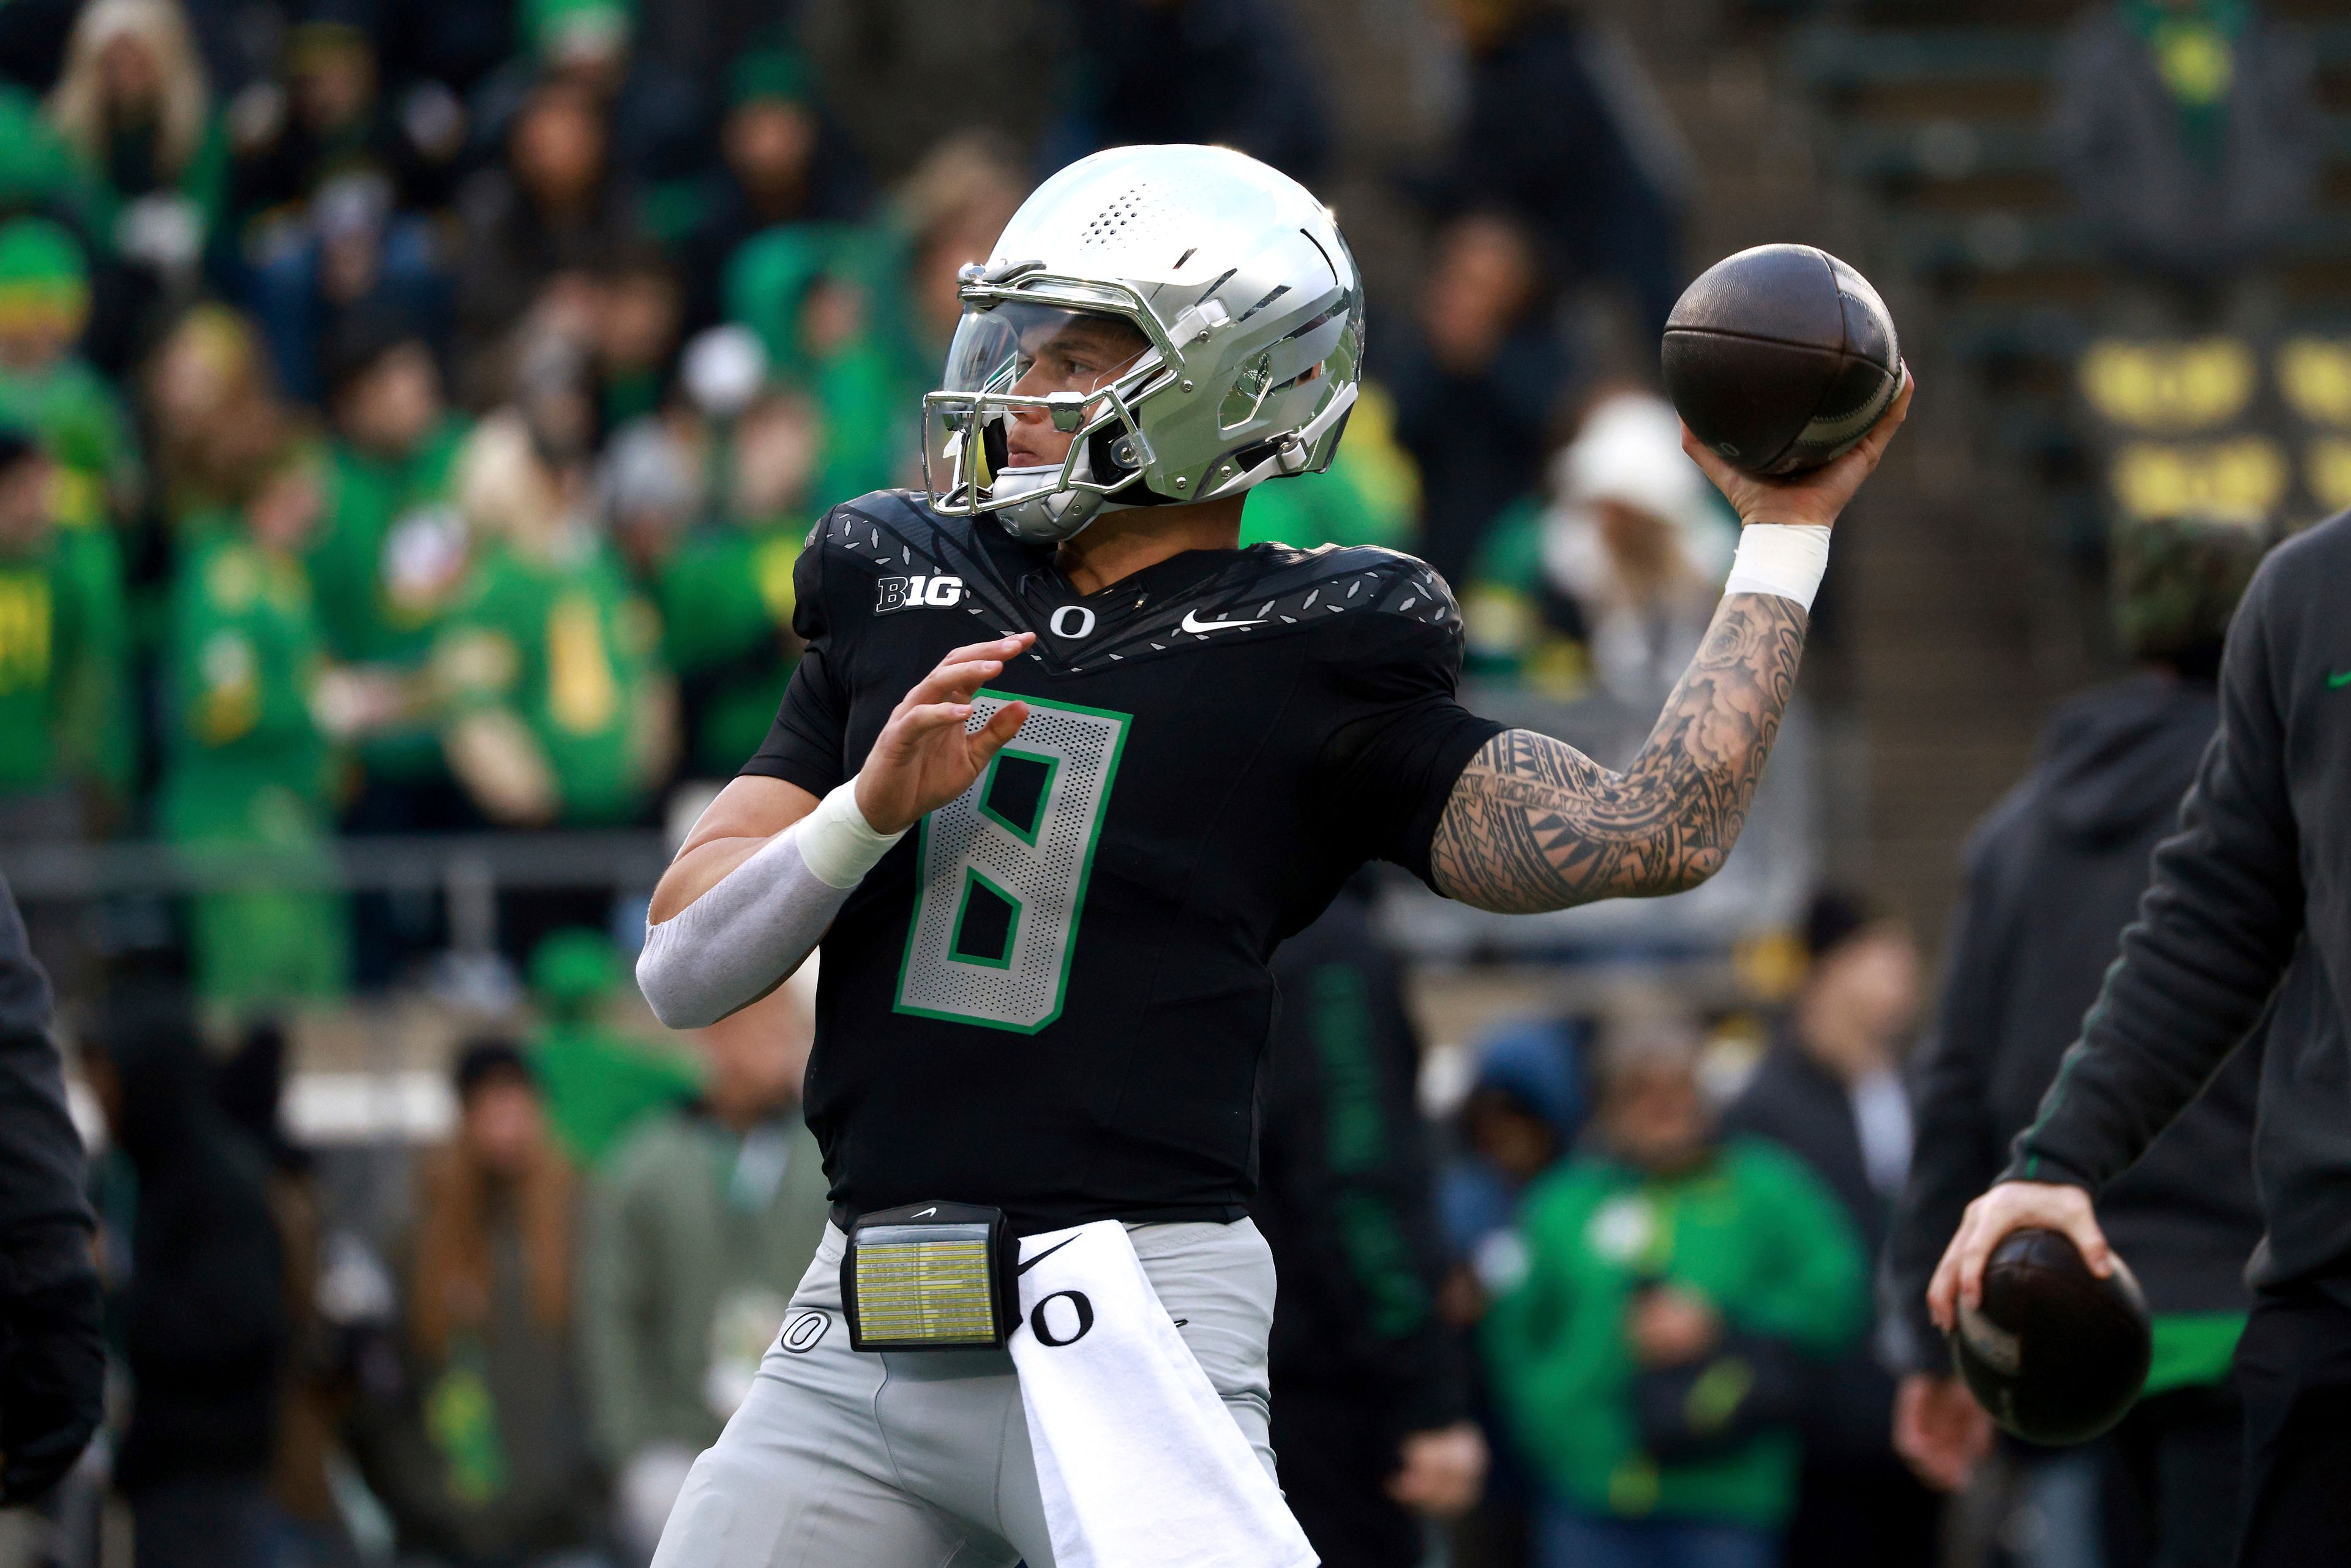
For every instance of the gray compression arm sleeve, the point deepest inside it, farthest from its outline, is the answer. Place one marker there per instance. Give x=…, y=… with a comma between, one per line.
x=741, y=939
x=745, y=936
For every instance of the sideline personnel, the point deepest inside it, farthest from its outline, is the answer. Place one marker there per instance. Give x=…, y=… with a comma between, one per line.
x=2250, y=909
x=52, y=1363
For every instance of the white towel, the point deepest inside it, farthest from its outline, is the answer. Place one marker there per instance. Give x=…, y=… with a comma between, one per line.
x=1139, y=1463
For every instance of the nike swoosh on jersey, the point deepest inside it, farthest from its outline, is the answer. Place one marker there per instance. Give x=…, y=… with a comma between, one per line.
x=1195, y=626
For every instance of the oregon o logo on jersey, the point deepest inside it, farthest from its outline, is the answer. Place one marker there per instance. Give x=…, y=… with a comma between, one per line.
x=1003, y=870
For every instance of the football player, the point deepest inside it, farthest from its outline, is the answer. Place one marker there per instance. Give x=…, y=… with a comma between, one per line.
x=1060, y=769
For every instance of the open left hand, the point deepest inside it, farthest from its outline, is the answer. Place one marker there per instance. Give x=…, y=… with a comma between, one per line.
x=923, y=756
x=1812, y=498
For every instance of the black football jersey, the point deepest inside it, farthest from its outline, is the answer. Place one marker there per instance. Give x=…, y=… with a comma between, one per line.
x=1053, y=996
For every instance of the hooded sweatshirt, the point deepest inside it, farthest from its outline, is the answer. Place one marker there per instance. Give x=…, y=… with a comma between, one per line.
x=2247, y=913
x=2052, y=877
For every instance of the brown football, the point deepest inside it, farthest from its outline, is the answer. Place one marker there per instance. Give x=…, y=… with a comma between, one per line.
x=1780, y=358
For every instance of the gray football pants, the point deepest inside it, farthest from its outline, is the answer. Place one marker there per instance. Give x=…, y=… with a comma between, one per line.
x=842, y=1457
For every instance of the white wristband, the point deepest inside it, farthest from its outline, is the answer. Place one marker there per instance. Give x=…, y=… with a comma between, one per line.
x=836, y=842
x=1785, y=559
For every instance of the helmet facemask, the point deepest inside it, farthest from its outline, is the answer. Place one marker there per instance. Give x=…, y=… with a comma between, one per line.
x=1023, y=375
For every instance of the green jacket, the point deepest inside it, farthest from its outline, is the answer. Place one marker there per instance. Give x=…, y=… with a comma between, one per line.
x=1753, y=1232
x=569, y=648
x=63, y=649
x=244, y=653
x=727, y=616
x=249, y=780
x=694, y=1243
x=389, y=564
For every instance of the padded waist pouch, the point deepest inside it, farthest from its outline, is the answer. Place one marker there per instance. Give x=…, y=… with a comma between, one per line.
x=930, y=1276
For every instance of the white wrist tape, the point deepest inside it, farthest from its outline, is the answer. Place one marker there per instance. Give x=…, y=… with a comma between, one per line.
x=1785, y=559
x=838, y=844
x=746, y=935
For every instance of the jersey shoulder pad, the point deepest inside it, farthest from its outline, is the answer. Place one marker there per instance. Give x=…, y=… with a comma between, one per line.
x=860, y=546
x=1335, y=578
x=889, y=529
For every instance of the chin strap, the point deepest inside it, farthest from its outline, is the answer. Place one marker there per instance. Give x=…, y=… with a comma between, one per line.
x=1292, y=453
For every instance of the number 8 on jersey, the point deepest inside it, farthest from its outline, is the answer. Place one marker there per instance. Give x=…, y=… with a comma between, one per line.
x=1003, y=870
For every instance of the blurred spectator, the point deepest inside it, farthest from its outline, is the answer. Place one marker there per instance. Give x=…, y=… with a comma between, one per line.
x=640, y=312
x=64, y=719
x=658, y=121
x=1564, y=131
x=304, y=1523
x=1478, y=387
x=481, y=1453
x=136, y=108
x=698, y=1228
x=1234, y=72
x=652, y=491
x=1648, y=1358
x=1526, y=1105
x=782, y=162
x=727, y=594
x=204, y=1309
x=329, y=121
x=349, y=263
x=561, y=713
x=1369, y=495
x=2054, y=874
x=598, y=1081
x=389, y=561
x=248, y=773
x=45, y=387
x=1830, y=1092
x=556, y=207
x=2188, y=132
x=52, y=1355
x=39, y=175
x=860, y=323
x=1371, y=1420
x=905, y=76
x=1616, y=579
x=217, y=418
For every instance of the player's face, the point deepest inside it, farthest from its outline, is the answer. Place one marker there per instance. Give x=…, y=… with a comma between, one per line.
x=1061, y=354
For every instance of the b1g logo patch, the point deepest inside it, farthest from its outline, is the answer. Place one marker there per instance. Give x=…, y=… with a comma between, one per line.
x=917, y=592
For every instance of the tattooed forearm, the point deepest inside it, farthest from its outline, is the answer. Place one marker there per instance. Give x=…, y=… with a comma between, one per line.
x=1535, y=824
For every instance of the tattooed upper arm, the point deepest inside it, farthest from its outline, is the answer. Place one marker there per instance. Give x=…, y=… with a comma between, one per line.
x=1534, y=824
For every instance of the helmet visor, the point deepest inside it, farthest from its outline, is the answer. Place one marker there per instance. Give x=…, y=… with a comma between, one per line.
x=1028, y=386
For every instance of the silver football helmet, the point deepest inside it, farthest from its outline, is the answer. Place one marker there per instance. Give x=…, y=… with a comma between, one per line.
x=1251, y=317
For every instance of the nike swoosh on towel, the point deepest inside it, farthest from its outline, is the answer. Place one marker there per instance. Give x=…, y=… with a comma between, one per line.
x=1041, y=1256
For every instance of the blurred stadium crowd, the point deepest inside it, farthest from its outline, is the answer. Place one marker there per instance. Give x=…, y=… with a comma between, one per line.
x=409, y=414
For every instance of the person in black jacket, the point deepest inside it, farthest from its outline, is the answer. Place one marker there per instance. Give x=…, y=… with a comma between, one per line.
x=1370, y=1396
x=2052, y=875
x=52, y=1361
x=203, y=1312
x=1830, y=1091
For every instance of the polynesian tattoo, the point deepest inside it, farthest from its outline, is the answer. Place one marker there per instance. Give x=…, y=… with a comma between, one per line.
x=1534, y=824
